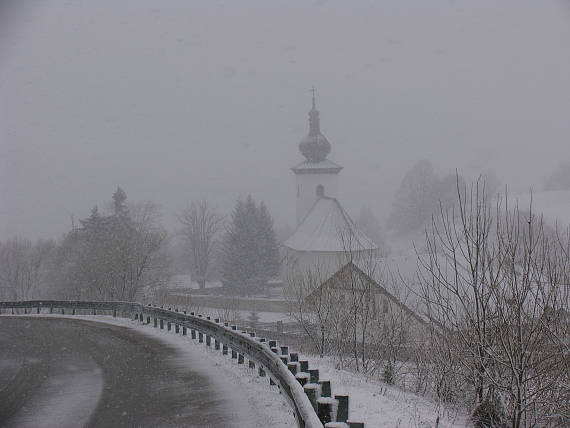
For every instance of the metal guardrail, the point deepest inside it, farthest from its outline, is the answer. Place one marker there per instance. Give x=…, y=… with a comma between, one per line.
x=310, y=399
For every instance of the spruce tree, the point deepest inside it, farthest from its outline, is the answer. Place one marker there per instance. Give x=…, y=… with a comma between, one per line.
x=249, y=251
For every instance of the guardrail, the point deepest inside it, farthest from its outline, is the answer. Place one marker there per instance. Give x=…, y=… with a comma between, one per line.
x=310, y=398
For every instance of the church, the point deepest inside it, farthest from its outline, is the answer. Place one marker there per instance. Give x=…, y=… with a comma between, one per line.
x=325, y=236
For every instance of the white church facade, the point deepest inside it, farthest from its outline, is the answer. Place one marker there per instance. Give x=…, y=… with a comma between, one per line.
x=326, y=237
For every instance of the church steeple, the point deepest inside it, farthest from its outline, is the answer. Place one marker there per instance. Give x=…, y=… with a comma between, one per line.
x=315, y=147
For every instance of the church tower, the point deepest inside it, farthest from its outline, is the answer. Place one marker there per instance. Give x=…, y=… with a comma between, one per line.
x=317, y=176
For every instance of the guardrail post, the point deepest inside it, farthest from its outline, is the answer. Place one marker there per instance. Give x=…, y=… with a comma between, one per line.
x=50, y=310
x=311, y=393
x=240, y=359
x=62, y=311
x=94, y=311
x=168, y=325
x=38, y=310
x=200, y=337
x=114, y=313
x=324, y=409
x=342, y=409
x=325, y=388
x=161, y=324
x=184, y=331
x=176, y=328
x=155, y=323
x=261, y=372
x=251, y=364
x=148, y=320
x=208, y=340
x=224, y=349
x=216, y=345
x=193, y=334
x=73, y=311
x=234, y=354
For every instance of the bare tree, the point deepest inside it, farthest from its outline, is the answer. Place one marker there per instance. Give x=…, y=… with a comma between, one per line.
x=494, y=286
x=312, y=304
x=201, y=225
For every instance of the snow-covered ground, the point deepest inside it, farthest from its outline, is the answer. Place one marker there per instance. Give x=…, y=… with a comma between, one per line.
x=257, y=404
x=383, y=406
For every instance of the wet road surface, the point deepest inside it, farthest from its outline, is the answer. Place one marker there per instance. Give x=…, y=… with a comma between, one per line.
x=68, y=372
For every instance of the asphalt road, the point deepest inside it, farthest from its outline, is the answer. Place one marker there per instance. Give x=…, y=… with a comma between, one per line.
x=66, y=372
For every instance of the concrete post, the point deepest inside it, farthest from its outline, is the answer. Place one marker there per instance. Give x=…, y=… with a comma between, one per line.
x=304, y=366
x=325, y=388
x=216, y=345
x=311, y=393
x=168, y=326
x=284, y=350
x=261, y=372
x=234, y=354
x=183, y=331
x=200, y=337
x=251, y=364
x=176, y=328
x=314, y=373
x=292, y=367
x=355, y=424
x=193, y=334
x=240, y=359
x=224, y=349
x=161, y=324
x=155, y=323
x=293, y=357
x=208, y=340
x=342, y=410
x=148, y=320
x=324, y=410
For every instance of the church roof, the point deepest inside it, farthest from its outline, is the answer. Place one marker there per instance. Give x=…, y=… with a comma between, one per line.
x=325, y=228
x=324, y=166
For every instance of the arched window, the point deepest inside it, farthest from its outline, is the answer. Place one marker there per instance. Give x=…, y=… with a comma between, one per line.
x=320, y=190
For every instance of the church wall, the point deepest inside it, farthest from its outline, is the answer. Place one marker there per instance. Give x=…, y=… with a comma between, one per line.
x=307, y=191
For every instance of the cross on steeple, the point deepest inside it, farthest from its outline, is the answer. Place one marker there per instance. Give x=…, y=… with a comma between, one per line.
x=314, y=91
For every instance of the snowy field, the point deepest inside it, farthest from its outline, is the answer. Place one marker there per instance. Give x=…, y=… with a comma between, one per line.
x=257, y=404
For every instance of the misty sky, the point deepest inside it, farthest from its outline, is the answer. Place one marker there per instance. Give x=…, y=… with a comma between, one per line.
x=178, y=100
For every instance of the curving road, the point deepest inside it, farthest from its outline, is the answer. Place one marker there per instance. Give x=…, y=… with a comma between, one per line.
x=69, y=373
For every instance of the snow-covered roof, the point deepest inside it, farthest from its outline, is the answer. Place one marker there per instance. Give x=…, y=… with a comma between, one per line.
x=324, y=166
x=328, y=228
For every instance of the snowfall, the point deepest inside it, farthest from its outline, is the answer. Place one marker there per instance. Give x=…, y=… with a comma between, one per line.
x=258, y=404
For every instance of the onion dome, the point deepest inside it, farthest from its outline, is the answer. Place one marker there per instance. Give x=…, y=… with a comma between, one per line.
x=315, y=146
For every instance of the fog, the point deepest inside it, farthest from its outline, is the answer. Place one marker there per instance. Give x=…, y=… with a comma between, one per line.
x=180, y=100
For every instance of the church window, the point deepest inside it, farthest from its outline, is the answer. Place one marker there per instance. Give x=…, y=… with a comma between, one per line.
x=320, y=190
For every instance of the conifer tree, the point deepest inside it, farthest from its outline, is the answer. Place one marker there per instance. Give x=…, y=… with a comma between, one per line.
x=249, y=251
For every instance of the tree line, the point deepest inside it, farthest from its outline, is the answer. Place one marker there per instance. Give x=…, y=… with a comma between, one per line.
x=124, y=253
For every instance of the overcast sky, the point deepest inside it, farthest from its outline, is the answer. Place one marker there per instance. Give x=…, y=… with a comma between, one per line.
x=178, y=100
